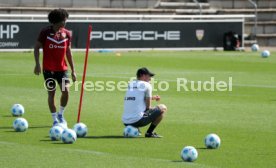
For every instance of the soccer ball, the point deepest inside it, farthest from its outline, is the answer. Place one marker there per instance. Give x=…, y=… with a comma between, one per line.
x=255, y=47
x=189, y=154
x=64, y=126
x=131, y=132
x=68, y=136
x=162, y=107
x=265, y=54
x=80, y=129
x=55, y=133
x=17, y=110
x=212, y=141
x=20, y=125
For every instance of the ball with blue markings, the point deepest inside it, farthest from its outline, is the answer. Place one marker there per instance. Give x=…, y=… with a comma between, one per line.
x=265, y=54
x=255, y=47
x=17, y=110
x=68, y=136
x=80, y=129
x=212, y=141
x=20, y=125
x=189, y=154
x=55, y=133
x=131, y=132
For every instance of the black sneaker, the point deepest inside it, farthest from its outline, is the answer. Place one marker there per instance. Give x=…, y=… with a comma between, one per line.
x=152, y=135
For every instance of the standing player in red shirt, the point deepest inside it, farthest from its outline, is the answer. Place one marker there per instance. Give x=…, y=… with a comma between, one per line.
x=56, y=43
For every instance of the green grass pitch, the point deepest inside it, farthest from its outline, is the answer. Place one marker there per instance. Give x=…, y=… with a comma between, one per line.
x=245, y=119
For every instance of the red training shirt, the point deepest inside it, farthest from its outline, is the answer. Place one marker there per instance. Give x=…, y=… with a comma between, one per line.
x=55, y=45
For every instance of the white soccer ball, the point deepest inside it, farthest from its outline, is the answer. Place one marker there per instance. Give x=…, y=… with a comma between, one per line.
x=212, y=141
x=80, y=129
x=20, y=125
x=55, y=133
x=68, y=136
x=189, y=154
x=255, y=47
x=265, y=54
x=131, y=132
x=17, y=110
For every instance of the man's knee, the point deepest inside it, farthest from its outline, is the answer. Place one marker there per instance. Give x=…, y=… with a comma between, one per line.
x=163, y=111
x=162, y=108
x=65, y=91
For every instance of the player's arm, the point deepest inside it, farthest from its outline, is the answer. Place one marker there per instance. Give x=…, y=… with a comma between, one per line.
x=148, y=95
x=149, y=99
x=71, y=63
x=148, y=103
x=37, y=69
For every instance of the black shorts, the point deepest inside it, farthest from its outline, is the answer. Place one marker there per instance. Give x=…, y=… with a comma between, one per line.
x=51, y=77
x=149, y=117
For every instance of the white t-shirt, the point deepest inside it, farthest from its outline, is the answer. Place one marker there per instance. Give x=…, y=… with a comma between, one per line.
x=134, y=102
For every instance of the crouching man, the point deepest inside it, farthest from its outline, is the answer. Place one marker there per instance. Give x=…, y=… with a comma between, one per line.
x=137, y=104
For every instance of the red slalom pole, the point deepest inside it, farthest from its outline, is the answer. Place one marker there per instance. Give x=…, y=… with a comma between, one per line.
x=84, y=69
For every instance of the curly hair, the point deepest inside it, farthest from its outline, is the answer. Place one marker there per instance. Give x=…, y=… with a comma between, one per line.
x=57, y=16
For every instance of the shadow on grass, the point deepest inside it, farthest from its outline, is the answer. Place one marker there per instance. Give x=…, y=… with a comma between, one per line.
x=46, y=140
x=177, y=161
x=202, y=148
x=8, y=116
x=32, y=127
x=12, y=131
x=88, y=137
x=60, y=143
x=106, y=137
x=109, y=137
x=6, y=128
x=49, y=141
x=52, y=142
x=41, y=126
